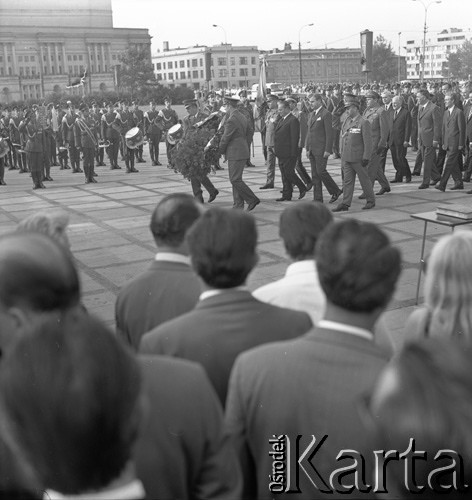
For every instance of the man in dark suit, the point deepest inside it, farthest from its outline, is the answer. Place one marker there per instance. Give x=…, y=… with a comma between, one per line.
x=468, y=138
x=169, y=287
x=310, y=386
x=453, y=142
x=429, y=137
x=399, y=137
x=287, y=135
x=234, y=146
x=318, y=144
x=228, y=319
x=385, y=140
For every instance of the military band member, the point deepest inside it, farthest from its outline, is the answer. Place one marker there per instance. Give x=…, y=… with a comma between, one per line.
x=138, y=116
x=34, y=147
x=195, y=116
x=48, y=138
x=15, y=138
x=127, y=123
x=97, y=117
x=110, y=129
x=68, y=138
x=170, y=119
x=153, y=123
x=245, y=108
x=54, y=117
x=86, y=139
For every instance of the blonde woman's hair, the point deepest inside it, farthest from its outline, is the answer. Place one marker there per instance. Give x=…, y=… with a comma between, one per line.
x=448, y=287
x=53, y=224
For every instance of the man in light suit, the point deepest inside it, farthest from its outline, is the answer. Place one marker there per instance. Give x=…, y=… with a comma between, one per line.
x=319, y=141
x=271, y=118
x=398, y=140
x=310, y=386
x=356, y=150
x=228, y=319
x=169, y=287
x=468, y=139
x=287, y=136
x=453, y=142
x=429, y=137
x=234, y=146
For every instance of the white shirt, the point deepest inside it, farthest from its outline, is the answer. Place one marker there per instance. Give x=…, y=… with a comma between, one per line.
x=172, y=257
x=299, y=289
x=130, y=491
x=219, y=291
x=343, y=327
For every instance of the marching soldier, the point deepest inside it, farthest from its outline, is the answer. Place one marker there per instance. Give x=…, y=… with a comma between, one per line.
x=153, y=126
x=68, y=138
x=127, y=123
x=34, y=147
x=138, y=116
x=86, y=139
x=170, y=119
x=96, y=115
x=15, y=138
x=110, y=129
x=245, y=108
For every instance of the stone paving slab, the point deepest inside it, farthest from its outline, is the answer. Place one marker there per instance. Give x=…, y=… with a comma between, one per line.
x=111, y=241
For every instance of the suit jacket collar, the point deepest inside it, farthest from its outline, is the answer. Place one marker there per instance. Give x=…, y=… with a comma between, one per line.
x=226, y=297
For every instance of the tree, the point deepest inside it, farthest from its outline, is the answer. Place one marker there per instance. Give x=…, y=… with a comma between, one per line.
x=136, y=71
x=460, y=63
x=384, y=61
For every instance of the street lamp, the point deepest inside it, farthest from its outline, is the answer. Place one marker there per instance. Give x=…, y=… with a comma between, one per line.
x=300, y=50
x=426, y=7
x=226, y=51
x=399, y=50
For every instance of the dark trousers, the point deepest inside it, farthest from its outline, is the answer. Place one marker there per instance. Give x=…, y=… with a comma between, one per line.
x=113, y=150
x=440, y=159
x=74, y=156
x=154, y=149
x=2, y=169
x=468, y=164
x=241, y=191
x=18, y=159
x=36, y=164
x=321, y=177
x=270, y=171
x=129, y=158
x=375, y=173
x=99, y=154
x=350, y=170
x=418, y=162
x=451, y=167
x=139, y=153
x=383, y=158
x=289, y=177
x=53, y=149
x=169, y=147
x=430, y=172
x=336, y=134
x=264, y=148
x=301, y=170
x=88, y=162
x=414, y=133
x=198, y=182
x=400, y=162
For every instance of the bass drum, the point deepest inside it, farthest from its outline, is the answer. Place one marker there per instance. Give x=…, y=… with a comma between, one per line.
x=134, y=138
x=175, y=133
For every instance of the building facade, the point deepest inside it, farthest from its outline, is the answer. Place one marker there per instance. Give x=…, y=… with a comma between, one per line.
x=202, y=67
x=438, y=46
x=318, y=65
x=45, y=45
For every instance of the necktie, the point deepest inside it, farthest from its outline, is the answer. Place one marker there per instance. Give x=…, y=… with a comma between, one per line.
x=470, y=113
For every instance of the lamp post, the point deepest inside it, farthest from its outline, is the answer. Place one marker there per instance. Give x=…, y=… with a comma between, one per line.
x=399, y=50
x=226, y=52
x=300, y=50
x=426, y=7
x=40, y=67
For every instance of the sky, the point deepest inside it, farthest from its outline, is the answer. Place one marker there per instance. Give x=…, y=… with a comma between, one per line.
x=270, y=23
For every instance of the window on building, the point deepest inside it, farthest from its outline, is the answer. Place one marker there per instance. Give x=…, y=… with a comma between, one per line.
x=76, y=70
x=188, y=63
x=81, y=57
x=20, y=58
x=233, y=73
x=182, y=75
x=60, y=69
x=194, y=63
x=113, y=57
x=242, y=71
x=201, y=73
x=243, y=60
x=201, y=62
x=222, y=73
x=182, y=64
x=195, y=74
x=232, y=61
x=253, y=60
x=221, y=61
x=75, y=58
x=253, y=71
x=169, y=65
x=171, y=76
x=159, y=76
x=158, y=66
x=163, y=65
x=176, y=75
x=212, y=63
x=9, y=71
x=189, y=74
x=9, y=59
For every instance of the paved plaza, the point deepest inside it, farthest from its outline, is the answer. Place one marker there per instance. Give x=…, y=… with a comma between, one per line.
x=112, y=243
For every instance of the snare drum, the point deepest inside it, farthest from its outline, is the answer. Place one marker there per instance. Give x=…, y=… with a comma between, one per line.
x=134, y=138
x=175, y=133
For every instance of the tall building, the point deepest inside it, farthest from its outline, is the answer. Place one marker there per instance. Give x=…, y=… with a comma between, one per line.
x=203, y=67
x=318, y=65
x=438, y=46
x=46, y=44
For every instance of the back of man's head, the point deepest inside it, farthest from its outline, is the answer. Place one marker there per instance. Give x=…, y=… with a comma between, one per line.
x=300, y=226
x=36, y=273
x=357, y=266
x=172, y=218
x=70, y=397
x=222, y=245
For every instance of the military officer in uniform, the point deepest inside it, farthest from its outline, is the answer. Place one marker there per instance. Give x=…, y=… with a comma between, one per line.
x=356, y=151
x=127, y=123
x=15, y=138
x=138, y=116
x=110, y=129
x=34, y=147
x=68, y=138
x=153, y=124
x=97, y=117
x=169, y=119
x=86, y=139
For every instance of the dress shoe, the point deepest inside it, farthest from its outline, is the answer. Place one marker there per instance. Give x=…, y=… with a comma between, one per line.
x=87, y=181
x=368, y=206
x=36, y=186
x=117, y=167
x=80, y=170
x=42, y=186
x=457, y=186
x=48, y=178
x=213, y=196
x=383, y=191
x=24, y=171
x=253, y=204
x=407, y=179
x=249, y=164
x=334, y=197
x=309, y=186
x=67, y=167
x=440, y=188
x=340, y=208
x=393, y=181
x=134, y=170
x=11, y=168
x=302, y=194
x=362, y=196
x=469, y=192
x=336, y=157
x=93, y=180
x=423, y=186
x=283, y=199
x=433, y=183
x=154, y=164
x=95, y=174
x=267, y=186
x=128, y=171
x=2, y=182
x=416, y=174
x=466, y=178
x=158, y=163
